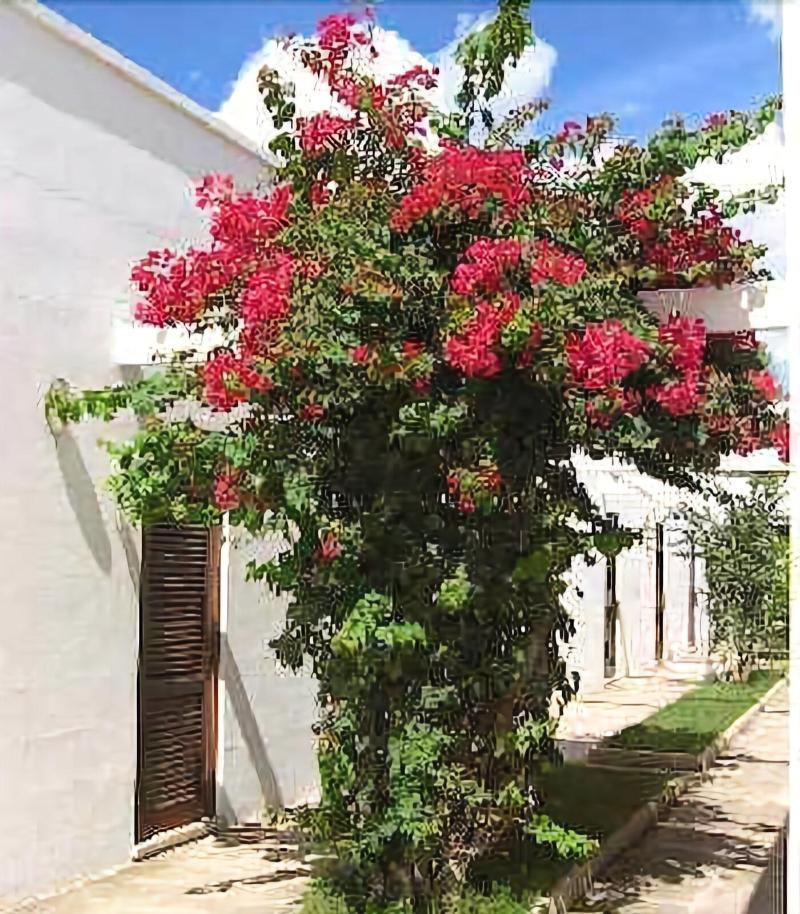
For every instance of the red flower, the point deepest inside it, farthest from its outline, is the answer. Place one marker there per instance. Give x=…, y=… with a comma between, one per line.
x=318, y=133
x=361, y=354
x=466, y=178
x=213, y=190
x=229, y=380
x=176, y=286
x=412, y=349
x=243, y=225
x=266, y=298
x=466, y=504
x=312, y=412
x=226, y=495
x=678, y=398
x=330, y=549
x=472, y=351
x=764, y=384
x=687, y=341
x=335, y=32
x=704, y=241
x=319, y=194
x=416, y=76
x=453, y=483
x=605, y=355
x=550, y=262
x=485, y=263
x=780, y=439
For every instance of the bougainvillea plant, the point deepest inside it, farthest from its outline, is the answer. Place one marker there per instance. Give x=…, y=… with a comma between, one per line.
x=419, y=332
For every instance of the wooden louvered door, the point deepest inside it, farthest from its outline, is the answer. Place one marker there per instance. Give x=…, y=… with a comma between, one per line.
x=178, y=659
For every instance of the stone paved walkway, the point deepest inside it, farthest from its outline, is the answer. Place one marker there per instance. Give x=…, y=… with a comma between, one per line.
x=620, y=703
x=706, y=858
x=710, y=854
x=199, y=878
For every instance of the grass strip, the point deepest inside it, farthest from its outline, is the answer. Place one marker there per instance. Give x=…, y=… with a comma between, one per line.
x=693, y=721
x=593, y=801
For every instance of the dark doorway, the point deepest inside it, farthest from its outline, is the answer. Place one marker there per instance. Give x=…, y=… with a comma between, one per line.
x=690, y=640
x=659, y=591
x=610, y=653
x=178, y=661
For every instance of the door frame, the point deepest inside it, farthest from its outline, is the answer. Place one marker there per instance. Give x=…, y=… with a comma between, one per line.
x=210, y=723
x=659, y=592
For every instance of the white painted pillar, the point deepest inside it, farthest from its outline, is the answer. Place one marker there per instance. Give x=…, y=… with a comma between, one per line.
x=790, y=62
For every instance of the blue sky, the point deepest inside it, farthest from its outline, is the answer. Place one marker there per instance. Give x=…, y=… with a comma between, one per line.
x=639, y=59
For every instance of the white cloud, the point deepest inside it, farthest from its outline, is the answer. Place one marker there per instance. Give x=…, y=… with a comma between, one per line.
x=767, y=13
x=524, y=82
x=760, y=162
x=244, y=109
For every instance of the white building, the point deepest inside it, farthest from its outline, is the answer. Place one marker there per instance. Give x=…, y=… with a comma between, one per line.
x=96, y=751
x=96, y=164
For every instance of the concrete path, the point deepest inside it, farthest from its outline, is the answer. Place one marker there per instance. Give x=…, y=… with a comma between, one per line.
x=199, y=878
x=712, y=855
x=706, y=858
x=620, y=703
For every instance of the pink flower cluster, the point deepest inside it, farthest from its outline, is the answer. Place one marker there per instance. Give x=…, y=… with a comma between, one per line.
x=686, y=342
x=473, y=351
x=319, y=133
x=175, y=287
x=337, y=33
x=465, y=177
x=246, y=224
x=705, y=241
x=764, y=385
x=267, y=296
x=604, y=355
x=633, y=212
x=265, y=303
x=330, y=549
x=417, y=76
x=678, y=398
x=214, y=189
x=486, y=261
x=686, y=339
x=228, y=380
x=226, y=492
x=550, y=262
x=570, y=132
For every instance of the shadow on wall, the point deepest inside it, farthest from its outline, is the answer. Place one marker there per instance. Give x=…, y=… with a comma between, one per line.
x=82, y=496
x=248, y=726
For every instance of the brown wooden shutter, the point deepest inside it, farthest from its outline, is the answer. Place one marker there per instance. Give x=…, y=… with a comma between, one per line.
x=177, y=677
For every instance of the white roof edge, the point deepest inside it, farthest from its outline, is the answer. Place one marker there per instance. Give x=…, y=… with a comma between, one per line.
x=131, y=71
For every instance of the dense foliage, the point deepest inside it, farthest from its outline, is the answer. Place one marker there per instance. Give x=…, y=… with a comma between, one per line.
x=742, y=534
x=418, y=332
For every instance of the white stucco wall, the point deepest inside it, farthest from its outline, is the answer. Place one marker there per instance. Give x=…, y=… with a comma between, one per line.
x=268, y=758
x=94, y=171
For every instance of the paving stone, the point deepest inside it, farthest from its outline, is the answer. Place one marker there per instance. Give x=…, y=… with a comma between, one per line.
x=710, y=854
x=705, y=858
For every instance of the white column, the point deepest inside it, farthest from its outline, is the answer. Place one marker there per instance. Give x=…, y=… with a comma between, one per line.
x=790, y=53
